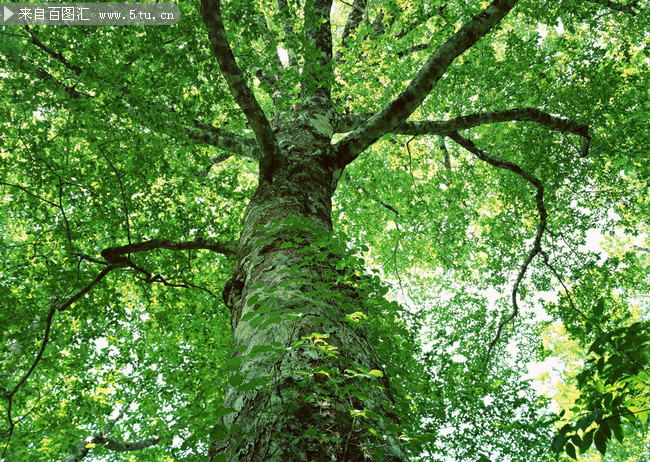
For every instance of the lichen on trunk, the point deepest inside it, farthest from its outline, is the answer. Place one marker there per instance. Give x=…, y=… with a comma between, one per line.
x=305, y=383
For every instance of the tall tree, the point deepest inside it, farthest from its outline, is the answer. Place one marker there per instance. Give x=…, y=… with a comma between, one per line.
x=260, y=150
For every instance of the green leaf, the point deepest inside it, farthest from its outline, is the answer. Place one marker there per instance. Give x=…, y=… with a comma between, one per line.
x=605, y=429
x=558, y=442
x=615, y=425
x=600, y=441
x=233, y=364
x=221, y=412
x=218, y=432
x=571, y=450
x=236, y=379
x=587, y=439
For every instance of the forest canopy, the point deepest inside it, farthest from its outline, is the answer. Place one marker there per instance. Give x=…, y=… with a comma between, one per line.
x=305, y=230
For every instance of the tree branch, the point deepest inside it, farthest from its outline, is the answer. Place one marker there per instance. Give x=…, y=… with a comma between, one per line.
x=222, y=139
x=114, y=255
x=102, y=274
x=317, y=73
x=201, y=134
x=541, y=226
x=42, y=74
x=509, y=115
x=84, y=447
x=37, y=359
x=118, y=177
x=211, y=12
x=27, y=191
x=408, y=101
x=430, y=127
x=115, y=258
x=54, y=54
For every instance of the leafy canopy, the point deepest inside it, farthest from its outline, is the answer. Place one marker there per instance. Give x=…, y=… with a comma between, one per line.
x=108, y=139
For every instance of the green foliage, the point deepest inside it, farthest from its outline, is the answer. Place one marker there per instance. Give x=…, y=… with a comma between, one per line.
x=614, y=386
x=427, y=239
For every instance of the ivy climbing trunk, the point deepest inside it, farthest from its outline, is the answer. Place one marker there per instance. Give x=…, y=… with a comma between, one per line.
x=305, y=384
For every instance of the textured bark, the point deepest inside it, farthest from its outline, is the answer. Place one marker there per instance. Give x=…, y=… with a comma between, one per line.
x=292, y=397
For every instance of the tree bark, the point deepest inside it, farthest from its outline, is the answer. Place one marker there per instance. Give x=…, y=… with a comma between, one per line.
x=294, y=396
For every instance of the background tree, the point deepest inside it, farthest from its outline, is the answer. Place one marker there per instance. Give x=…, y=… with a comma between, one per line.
x=198, y=219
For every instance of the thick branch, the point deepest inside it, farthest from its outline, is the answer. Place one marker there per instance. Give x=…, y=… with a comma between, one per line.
x=408, y=101
x=222, y=139
x=474, y=120
x=211, y=11
x=84, y=447
x=114, y=255
x=541, y=226
x=317, y=74
x=430, y=127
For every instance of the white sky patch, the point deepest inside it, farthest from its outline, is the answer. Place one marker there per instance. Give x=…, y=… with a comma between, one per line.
x=101, y=343
x=487, y=400
x=594, y=240
x=115, y=413
x=177, y=442
x=551, y=366
x=284, y=56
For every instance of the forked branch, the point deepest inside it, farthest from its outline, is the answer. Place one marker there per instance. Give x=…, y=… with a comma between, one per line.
x=114, y=258
x=398, y=110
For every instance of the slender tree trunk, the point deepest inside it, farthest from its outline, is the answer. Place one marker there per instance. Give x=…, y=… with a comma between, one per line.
x=294, y=401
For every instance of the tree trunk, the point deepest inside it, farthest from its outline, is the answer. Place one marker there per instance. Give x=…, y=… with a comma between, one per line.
x=305, y=384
